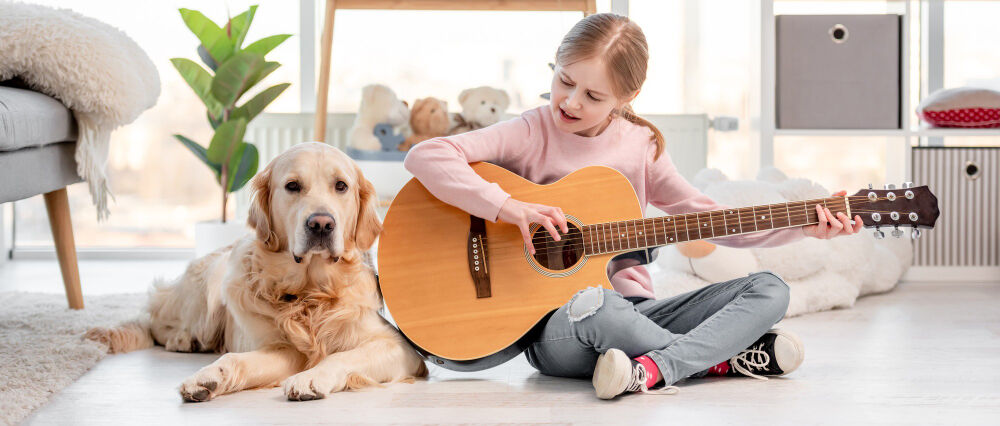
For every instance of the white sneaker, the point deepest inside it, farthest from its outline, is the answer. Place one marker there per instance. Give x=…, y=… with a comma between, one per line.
x=616, y=373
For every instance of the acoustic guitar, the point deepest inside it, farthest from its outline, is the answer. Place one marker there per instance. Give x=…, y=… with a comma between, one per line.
x=467, y=293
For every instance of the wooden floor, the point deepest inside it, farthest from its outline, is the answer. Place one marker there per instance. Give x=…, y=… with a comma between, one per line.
x=924, y=353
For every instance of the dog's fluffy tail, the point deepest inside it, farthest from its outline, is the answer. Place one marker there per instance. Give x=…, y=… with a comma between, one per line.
x=127, y=337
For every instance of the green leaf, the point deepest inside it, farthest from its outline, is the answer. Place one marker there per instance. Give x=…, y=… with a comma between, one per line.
x=238, y=27
x=256, y=105
x=214, y=121
x=266, y=44
x=242, y=167
x=200, y=81
x=226, y=140
x=264, y=71
x=235, y=76
x=200, y=152
x=211, y=36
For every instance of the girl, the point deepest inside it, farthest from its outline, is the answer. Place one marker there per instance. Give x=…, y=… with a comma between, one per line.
x=624, y=338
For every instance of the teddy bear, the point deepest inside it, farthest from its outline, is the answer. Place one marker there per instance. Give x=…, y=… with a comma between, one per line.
x=481, y=107
x=379, y=105
x=428, y=119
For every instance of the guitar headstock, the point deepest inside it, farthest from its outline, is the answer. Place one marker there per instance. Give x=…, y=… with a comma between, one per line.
x=913, y=206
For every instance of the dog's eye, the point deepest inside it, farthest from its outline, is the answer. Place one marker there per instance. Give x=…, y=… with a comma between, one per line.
x=483, y=103
x=292, y=186
x=289, y=297
x=341, y=186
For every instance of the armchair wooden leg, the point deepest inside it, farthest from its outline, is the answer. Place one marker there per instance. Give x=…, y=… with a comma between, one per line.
x=57, y=205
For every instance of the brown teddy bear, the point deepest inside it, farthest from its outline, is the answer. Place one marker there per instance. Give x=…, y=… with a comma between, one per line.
x=428, y=119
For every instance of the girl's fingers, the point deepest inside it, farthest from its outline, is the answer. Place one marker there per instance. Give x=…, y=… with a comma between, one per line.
x=821, y=215
x=835, y=225
x=562, y=220
x=527, y=237
x=848, y=229
x=558, y=218
x=547, y=223
x=858, y=224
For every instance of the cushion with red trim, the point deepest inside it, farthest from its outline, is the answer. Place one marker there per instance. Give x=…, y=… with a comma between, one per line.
x=961, y=107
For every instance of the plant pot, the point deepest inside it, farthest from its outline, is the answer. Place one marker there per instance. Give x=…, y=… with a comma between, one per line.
x=211, y=235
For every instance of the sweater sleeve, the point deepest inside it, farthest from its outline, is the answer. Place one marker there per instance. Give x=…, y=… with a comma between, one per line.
x=442, y=164
x=667, y=190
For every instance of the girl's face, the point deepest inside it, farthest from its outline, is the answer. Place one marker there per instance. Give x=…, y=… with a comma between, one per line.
x=581, y=100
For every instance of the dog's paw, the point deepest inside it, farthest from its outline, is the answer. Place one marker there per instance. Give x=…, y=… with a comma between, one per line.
x=204, y=385
x=309, y=385
x=179, y=342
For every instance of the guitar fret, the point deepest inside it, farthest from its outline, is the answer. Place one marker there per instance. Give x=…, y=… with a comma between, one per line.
x=770, y=213
x=604, y=239
x=674, y=220
x=612, y=232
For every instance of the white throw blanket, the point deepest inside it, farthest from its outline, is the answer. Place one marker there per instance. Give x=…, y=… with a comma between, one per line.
x=93, y=68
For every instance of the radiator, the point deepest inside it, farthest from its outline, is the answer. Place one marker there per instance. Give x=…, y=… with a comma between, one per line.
x=967, y=185
x=273, y=133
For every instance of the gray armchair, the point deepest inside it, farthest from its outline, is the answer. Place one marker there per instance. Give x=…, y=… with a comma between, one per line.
x=37, y=146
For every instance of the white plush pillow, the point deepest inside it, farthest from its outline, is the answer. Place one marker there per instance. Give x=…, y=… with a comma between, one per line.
x=961, y=107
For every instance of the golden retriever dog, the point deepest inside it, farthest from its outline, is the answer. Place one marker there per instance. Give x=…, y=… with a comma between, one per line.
x=295, y=304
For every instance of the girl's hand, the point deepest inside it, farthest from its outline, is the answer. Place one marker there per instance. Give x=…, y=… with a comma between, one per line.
x=523, y=214
x=830, y=226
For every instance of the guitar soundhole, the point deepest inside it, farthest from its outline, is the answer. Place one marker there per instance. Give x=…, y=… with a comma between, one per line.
x=558, y=255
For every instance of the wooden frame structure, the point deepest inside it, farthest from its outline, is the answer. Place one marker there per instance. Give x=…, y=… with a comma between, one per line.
x=588, y=7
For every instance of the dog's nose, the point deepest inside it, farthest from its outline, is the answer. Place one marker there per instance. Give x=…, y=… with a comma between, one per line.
x=320, y=223
x=493, y=110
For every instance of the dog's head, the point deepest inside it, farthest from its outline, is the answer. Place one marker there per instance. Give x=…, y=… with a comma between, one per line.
x=313, y=200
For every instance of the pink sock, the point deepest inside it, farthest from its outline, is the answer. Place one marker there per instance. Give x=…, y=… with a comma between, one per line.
x=652, y=371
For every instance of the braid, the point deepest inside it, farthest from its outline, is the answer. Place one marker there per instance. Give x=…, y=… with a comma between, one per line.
x=627, y=113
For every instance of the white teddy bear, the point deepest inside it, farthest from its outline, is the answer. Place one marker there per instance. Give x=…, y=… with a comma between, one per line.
x=822, y=274
x=379, y=104
x=481, y=107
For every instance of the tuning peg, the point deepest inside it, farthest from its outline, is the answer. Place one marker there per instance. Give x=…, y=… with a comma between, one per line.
x=890, y=186
x=869, y=186
x=879, y=234
x=907, y=185
x=914, y=233
x=897, y=232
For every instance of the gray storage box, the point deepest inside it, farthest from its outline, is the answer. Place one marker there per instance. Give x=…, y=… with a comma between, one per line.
x=838, y=72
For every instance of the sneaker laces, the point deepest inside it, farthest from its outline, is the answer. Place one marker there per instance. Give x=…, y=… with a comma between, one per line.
x=638, y=383
x=753, y=358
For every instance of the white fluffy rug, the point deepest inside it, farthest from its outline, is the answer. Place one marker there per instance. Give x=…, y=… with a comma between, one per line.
x=42, y=348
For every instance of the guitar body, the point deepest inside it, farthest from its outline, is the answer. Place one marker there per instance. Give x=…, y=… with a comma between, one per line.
x=426, y=280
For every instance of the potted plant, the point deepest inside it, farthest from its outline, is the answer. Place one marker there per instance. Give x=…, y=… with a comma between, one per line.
x=233, y=71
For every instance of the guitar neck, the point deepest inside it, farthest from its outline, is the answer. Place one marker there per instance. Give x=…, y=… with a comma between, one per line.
x=610, y=237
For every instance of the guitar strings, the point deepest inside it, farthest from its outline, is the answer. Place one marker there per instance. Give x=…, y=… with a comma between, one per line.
x=685, y=220
x=544, y=240
x=552, y=246
x=546, y=245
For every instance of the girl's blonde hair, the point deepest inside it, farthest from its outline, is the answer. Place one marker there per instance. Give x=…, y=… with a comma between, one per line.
x=621, y=44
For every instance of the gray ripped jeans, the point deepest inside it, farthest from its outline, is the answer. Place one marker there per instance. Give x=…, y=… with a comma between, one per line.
x=684, y=335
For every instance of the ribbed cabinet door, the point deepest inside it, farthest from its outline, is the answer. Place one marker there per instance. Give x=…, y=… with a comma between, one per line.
x=966, y=181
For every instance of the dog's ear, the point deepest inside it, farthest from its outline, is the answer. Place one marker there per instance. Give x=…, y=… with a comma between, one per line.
x=368, y=226
x=260, y=210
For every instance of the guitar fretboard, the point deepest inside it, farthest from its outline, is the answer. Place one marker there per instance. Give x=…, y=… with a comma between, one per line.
x=609, y=237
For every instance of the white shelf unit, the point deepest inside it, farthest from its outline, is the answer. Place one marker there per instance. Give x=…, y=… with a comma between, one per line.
x=897, y=148
x=899, y=141
x=930, y=62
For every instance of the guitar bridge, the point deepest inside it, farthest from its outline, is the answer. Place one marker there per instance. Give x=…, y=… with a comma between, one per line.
x=477, y=257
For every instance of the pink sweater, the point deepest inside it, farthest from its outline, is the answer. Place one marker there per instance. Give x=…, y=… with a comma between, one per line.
x=535, y=149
